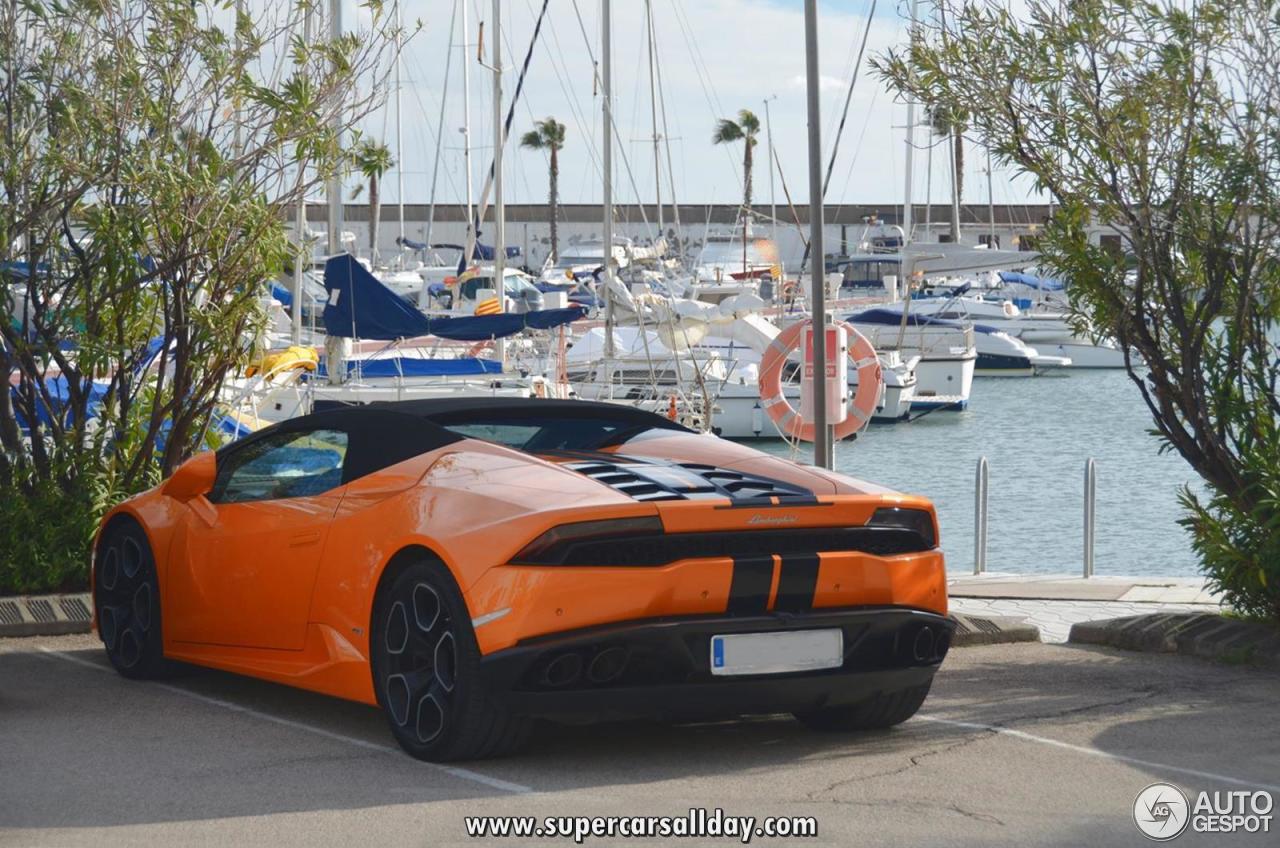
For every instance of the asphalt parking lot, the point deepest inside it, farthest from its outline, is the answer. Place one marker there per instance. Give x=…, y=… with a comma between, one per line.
x=1018, y=745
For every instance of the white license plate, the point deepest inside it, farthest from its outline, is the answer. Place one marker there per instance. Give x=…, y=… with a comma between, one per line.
x=777, y=653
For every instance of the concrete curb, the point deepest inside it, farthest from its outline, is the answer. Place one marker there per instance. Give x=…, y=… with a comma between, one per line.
x=1206, y=635
x=45, y=615
x=991, y=630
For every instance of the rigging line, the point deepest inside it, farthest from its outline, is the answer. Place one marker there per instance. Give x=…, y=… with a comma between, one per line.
x=438, y=140
x=585, y=129
x=844, y=115
x=511, y=113
x=570, y=94
x=520, y=172
x=613, y=123
x=848, y=177
x=708, y=91
x=444, y=97
x=666, y=137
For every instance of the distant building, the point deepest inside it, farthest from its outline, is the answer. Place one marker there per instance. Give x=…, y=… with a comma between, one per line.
x=847, y=225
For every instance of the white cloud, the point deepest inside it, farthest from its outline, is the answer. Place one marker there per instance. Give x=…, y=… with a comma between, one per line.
x=825, y=83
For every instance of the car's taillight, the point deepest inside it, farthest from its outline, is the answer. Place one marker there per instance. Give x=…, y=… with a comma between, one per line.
x=550, y=547
x=919, y=520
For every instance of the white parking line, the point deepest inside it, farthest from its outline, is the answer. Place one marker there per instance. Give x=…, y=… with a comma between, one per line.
x=1094, y=752
x=462, y=773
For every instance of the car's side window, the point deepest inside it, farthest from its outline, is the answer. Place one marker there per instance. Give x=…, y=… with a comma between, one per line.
x=285, y=465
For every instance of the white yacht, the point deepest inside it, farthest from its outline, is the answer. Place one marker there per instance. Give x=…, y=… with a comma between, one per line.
x=581, y=259
x=729, y=265
x=945, y=355
x=1041, y=325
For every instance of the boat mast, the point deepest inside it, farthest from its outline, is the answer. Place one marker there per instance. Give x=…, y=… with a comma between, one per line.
x=304, y=252
x=333, y=192
x=499, y=212
x=444, y=99
x=991, y=207
x=653, y=111
x=470, y=240
x=911, y=146
x=606, y=143
x=822, y=433
x=773, y=204
x=399, y=135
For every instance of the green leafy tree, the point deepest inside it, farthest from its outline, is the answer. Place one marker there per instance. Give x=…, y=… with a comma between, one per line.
x=1159, y=123
x=149, y=156
x=372, y=160
x=548, y=135
x=745, y=129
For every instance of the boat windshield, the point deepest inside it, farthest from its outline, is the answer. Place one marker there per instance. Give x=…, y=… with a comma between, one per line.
x=759, y=252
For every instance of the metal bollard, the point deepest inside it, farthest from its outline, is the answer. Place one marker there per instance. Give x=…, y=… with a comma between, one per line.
x=980, y=517
x=1090, y=504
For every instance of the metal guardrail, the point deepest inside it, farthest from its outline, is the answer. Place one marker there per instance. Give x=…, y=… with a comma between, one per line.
x=980, y=492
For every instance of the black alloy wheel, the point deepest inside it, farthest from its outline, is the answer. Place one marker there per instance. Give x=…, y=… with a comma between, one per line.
x=426, y=671
x=127, y=602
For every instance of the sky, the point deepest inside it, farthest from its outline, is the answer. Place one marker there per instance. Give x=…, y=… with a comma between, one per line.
x=715, y=57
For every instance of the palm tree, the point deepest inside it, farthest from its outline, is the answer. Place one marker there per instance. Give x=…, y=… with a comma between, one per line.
x=373, y=159
x=745, y=129
x=548, y=134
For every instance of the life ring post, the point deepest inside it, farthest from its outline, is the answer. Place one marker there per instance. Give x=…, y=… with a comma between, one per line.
x=857, y=353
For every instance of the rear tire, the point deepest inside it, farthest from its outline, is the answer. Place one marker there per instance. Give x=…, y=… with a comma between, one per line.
x=426, y=672
x=126, y=597
x=879, y=712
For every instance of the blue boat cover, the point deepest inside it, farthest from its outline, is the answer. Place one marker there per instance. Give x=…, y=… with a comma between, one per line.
x=410, y=243
x=1032, y=281
x=360, y=306
x=407, y=366
x=281, y=294
x=892, y=318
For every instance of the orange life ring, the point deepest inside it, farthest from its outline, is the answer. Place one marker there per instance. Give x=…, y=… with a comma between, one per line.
x=862, y=357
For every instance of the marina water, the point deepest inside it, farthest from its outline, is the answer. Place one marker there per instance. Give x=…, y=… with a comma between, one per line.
x=1037, y=434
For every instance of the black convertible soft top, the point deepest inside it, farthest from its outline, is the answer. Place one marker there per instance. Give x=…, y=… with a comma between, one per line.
x=385, y=433
x=462, y=410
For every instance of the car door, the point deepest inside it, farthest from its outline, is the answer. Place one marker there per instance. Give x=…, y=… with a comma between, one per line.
x=246, y=557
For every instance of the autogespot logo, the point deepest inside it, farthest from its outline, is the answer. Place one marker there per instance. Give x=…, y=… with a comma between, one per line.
x=1161, y=811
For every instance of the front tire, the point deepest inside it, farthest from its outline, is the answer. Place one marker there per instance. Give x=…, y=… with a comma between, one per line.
x=426, y=672
x=879, y=712
x=126, y=598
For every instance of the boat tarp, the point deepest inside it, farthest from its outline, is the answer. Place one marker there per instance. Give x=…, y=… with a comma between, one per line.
x=408, y=366
x=893, y=317
x=359, y=306
x=1032, y=281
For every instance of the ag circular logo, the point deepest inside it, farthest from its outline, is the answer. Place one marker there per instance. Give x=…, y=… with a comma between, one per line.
x=1161, y=811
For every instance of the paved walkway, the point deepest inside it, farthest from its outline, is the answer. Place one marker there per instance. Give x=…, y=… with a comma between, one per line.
x=1055, y=602
x=1018, y=746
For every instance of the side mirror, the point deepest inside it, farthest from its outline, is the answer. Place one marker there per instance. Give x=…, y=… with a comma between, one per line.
x=193, y=478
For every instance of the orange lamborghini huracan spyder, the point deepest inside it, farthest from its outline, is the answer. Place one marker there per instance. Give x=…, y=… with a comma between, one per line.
x=471, y=565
